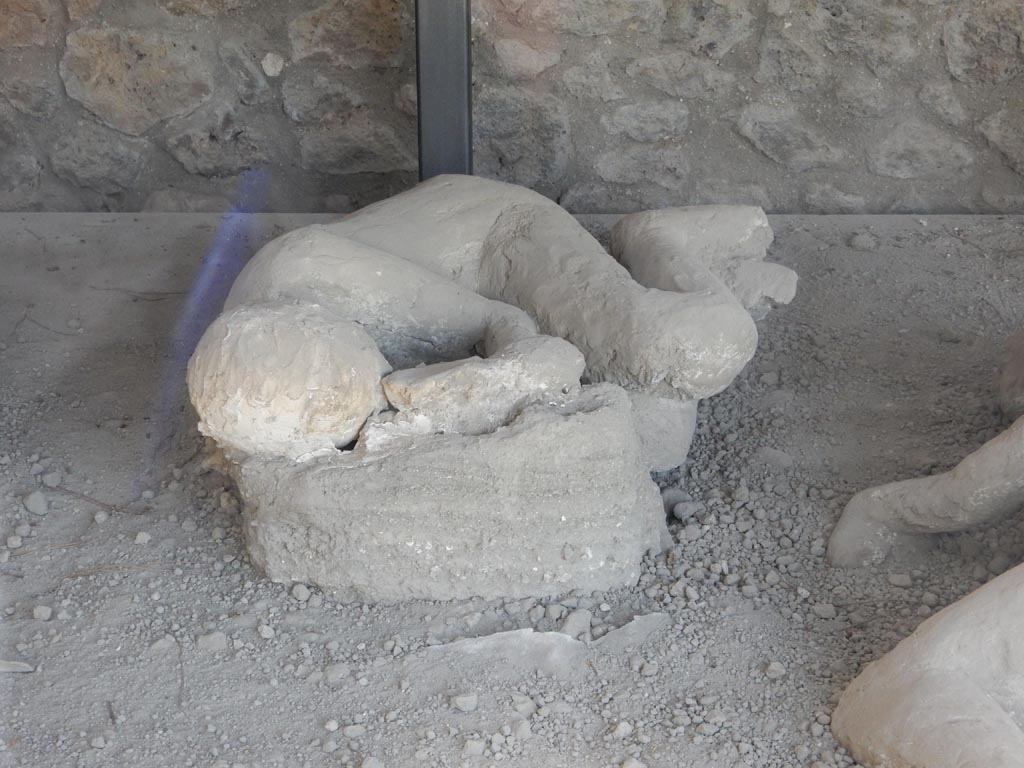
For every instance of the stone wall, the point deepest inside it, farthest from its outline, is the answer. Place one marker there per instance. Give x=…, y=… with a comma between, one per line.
x=795, y=105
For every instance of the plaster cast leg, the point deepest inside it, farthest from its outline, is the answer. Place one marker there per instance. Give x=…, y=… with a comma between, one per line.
x=683, y=345
x=985, y=486
x=704, y=248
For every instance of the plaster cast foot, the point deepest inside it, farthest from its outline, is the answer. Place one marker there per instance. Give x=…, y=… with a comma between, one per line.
x=985, y=486
x=859, y=539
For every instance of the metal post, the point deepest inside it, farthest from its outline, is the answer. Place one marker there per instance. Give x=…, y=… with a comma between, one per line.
x=445, y=88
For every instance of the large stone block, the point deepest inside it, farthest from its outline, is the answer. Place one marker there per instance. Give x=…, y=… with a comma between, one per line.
x=99, y=158
x=792, y=55
x=362, y=142
x=200, y=7
x=243, y=63
x=315, y=94
x=23, y=23
x=352, y=32
x=711, y=29
x=519, y=59
x=217, y=144
x=786, y=137
x=1005, y=131
x=557, y=500
x=590, y=17
x=681, y=74
x=916, y=150
x=522, y=137
x=666, y=165
x=648, y=120
x=983, y=41
x=132, y=80
x=593, y=78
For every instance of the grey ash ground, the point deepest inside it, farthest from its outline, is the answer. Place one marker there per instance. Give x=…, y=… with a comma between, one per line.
x=153, y=642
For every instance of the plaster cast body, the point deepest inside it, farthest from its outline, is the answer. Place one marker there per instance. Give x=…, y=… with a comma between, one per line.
x=482, y=465
x=983, y=487
x=949, y=696
x=952, y=694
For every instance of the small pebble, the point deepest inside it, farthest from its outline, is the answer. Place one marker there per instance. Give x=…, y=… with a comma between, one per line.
x=265, y=631
x=901, y=580
x=273, y=64
x=331, y=725
x=300, y=592
x=215, y=641
x=36, y=503
x=775, y=670
x=143, y=538
x=824, y=610
x=465, y=702
x=42, y=612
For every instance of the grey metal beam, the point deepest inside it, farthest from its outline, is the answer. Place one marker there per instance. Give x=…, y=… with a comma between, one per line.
x=444, y=86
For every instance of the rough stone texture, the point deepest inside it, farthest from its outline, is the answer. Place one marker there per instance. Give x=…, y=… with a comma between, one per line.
x=31, y=86
x=99, y=158
x=133, y=80
x=920, y=151
x=81, y=9
x=391, y=527
x=23, y=23
x=243, y=62
x=590, y=17
x=782, y=135
x=983, y=41
x=949, y=695
x=859, y=106
x=216, y=144
x=200, y=7
x=647, y=121
x=521, y=137
x=1011, y=379
x=1005, y=132
x=361, y=143
x=519, y=59
x=351, y=32
x=318, y=94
